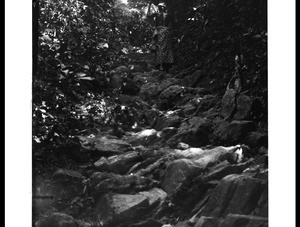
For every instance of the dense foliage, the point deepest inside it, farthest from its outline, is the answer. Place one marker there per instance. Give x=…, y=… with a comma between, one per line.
x=81, y=41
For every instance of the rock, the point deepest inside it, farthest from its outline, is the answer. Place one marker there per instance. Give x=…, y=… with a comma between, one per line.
x=167, y=83
x=101, y=183
x=228, y=103
x=152, y=115
x=118, y=76
x=225, y=168
x=207, y=222
x=243, y=220
x=233, y=132
x=149, y=91
x=121, y=69
x=189, y=109
x=169, y=96
x=218, y=154
x=118, y=163
x=167, y=121
x=57, y=220
x=177, y=172
x=103, y=145
x=257, y=139
x=145, y=137
x=121, y=208
x=262, y=205
x=155, y=196
x=194, y=79
x=167, y=132
x=148, y=223
x=136, y=68
x=140, y=79
x=244, y=107
x=239, y=106
x=238, y=194
x=67, y=175
x=129, y=87
x=207, y=102
x=182, y=224
x=194, y=132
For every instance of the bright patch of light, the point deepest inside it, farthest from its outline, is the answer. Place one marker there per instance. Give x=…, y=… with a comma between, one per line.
x=124, y=1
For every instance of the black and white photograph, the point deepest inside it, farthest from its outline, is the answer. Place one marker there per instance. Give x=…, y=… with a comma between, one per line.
x=153, y=113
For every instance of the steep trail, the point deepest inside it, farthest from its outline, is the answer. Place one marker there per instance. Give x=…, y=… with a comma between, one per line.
x=188, y=156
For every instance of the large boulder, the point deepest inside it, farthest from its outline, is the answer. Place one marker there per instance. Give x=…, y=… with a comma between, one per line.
x=101, y=145
x=194, y=132
x=177, y=173
x=239, y=106
x=193, y=79
x=228, y=103
x=207, y=102
x=234, y=131
x=118, y=76
x=144, y=137
x=120, y=208
x=238, y=194
x=207, y=222
x=257, y=139
x=117, y=163
x=67, y=175
x=169, y=96
x=149, y=91
x=232, y=220
x=57, y=220
x=247, y=107
x=102, y=183
x=243, y=220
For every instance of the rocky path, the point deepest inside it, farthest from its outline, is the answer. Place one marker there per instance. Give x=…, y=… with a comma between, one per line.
x=194, y=157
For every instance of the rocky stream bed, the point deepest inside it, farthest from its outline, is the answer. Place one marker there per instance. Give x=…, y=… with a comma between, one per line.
x=199, y=159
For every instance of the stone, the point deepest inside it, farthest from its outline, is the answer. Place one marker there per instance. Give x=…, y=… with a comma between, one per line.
x=207, y=102
x=194, y=132
x=233, y=132
x=144, y=138
x=244, y=107
x=223, y=169
x=169, y=96
x=140, y=79
x=103, y=145
x=147, y=223
x=57, y=220
x=238, y=194
x=167, y=83
x=189, y=109
x=168, y=132
x=167, y=121
x=193, y=79
x=207, y=222
x=121, y=208
x=129, y=87
x=177, y=173
x=149, y=91
x=151, y=116
x=155, y=196
x=118, y=163
x=67, y=175
x=101, y=183
x=243, y=220
x=228, y=103
x=257, y=139
x=182, y=224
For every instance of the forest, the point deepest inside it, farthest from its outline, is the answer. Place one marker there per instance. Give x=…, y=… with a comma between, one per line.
x=117, y=142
